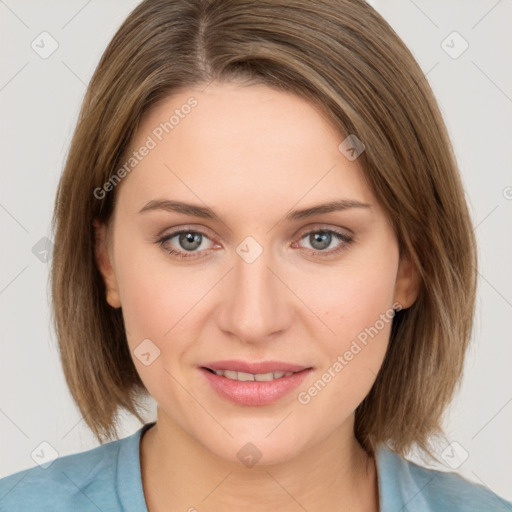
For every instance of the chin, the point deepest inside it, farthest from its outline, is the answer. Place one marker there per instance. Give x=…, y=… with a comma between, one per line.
x=258, y=446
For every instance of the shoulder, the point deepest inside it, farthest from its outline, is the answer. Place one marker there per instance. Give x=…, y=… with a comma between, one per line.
x=417, y=488
x=82, y=481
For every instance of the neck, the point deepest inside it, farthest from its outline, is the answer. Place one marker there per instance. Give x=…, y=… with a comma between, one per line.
x=179, y=472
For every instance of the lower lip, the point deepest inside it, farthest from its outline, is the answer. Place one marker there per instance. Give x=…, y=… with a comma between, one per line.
x=254, y=392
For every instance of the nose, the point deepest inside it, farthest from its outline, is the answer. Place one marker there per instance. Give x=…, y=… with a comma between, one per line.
x=256, y=303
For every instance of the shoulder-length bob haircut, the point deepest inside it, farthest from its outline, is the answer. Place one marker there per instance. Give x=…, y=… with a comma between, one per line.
x=342, y=56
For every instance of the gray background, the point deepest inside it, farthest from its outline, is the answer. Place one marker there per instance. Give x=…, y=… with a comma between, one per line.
x=40, y=100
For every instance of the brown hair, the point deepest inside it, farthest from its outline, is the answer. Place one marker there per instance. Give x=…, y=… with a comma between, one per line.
x=342, y=56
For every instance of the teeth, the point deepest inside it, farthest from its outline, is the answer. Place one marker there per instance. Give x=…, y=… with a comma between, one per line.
x=244, y=377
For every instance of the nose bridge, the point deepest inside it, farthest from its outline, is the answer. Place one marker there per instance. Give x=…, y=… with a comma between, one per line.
x=255, y=306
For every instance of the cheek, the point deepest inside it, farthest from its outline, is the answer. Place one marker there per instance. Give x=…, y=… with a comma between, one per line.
x=353, y=297
x=158, y=304
x=156, y=295
x=357, y=308
x=360, y=325
x=364, y=300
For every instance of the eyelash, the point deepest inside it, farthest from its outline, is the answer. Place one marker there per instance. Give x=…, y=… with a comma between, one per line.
x=184, y=255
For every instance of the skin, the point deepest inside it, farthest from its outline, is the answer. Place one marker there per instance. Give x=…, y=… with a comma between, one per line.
x=252, y=154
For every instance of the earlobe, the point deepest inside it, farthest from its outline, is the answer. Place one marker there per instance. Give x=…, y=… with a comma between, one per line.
x=103, y=260
x=407, y=285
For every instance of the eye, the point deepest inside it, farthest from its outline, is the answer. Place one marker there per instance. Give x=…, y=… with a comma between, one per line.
x=321, y=239
x=191, y=243
x=187, y=241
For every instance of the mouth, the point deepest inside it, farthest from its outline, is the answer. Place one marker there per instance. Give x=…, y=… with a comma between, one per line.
x=254, y=384
x=250, y=377
x=260, y=368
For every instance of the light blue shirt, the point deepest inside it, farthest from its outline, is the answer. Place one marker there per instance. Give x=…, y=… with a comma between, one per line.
x=108, y=479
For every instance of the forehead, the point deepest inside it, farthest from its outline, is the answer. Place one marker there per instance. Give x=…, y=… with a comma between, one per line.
x=265, y=145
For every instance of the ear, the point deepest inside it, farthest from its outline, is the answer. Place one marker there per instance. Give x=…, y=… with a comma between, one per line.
x=104, y=262
x=407, y=284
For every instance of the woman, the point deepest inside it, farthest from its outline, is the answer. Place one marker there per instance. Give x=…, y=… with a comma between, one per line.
x=262, y=226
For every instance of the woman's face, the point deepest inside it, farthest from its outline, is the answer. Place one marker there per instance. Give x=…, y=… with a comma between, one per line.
x=251, y=279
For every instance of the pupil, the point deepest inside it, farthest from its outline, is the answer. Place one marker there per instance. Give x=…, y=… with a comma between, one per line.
x=323, y=237
x=190, y=238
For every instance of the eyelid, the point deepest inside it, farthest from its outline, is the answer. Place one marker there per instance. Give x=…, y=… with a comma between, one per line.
x=337, y=232
x=185, y=227
x=323, y=227
x=163, y=237
x=298, y=234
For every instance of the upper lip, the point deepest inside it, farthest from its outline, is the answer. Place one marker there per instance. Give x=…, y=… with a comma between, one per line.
x=261, y=367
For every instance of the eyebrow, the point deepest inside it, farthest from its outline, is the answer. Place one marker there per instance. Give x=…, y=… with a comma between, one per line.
x=205, y=212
